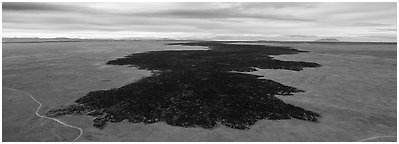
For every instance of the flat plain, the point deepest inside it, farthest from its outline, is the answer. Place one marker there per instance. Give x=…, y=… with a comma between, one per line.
x=354, y=91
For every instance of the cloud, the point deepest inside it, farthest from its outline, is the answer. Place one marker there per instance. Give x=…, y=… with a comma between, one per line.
x=386, y=29
x=20, y=6
x=41, y=7
x=252, y=20
x=207, y=13
x=225, y=13
x=301, y=36
x=277, y=5
x=367, y=24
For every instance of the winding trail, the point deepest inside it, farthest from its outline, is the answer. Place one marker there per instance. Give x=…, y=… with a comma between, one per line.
x=81, y=130
x=38, y=108
x=366, y=139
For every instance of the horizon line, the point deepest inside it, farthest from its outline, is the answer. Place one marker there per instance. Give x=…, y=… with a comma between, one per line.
x=204, y=39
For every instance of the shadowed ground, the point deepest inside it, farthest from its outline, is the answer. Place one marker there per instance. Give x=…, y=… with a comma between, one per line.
x=192, y=88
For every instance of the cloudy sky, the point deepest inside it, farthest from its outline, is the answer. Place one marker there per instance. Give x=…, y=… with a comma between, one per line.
x=244, y=21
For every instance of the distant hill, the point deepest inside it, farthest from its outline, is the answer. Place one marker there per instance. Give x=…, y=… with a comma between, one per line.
x=42, y=40
x=38, y=40
x=65, y=39
x=327, y=40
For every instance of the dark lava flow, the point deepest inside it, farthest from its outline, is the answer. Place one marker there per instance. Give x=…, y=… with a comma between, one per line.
x=197, y=88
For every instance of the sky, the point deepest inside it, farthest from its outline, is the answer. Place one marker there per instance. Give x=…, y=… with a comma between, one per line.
x=217, y=21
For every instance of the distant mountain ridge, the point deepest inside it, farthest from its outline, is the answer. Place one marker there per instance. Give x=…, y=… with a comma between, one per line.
x=327, y=40
x=57, y=39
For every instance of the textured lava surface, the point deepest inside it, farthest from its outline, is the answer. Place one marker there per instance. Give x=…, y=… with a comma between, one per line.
x=197, y=88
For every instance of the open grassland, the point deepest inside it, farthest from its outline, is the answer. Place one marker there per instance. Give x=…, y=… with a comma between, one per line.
x=354, y=91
